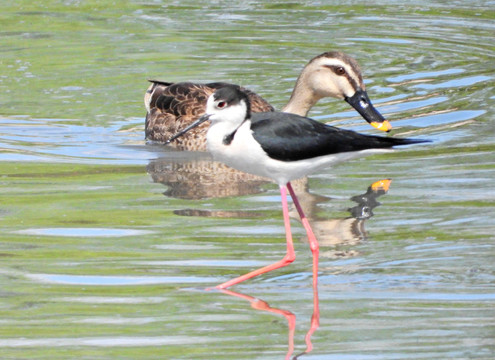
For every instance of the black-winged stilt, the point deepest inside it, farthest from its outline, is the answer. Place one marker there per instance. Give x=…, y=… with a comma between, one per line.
x=282, y=147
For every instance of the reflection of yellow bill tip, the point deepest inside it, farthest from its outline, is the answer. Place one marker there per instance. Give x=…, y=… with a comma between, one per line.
x=383, y=126
x=382, y=185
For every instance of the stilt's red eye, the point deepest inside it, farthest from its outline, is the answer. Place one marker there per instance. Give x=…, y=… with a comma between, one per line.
x=221, y=104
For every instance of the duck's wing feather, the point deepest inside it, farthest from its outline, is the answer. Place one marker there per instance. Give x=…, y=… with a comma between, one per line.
x=173, y=106
x=289, y=137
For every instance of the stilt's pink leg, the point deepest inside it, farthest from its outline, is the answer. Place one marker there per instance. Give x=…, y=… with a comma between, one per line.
x=288, y=258
x=313, y=244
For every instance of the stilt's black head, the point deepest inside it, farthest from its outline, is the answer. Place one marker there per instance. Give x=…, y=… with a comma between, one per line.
x=232, y=95
x=221, y=105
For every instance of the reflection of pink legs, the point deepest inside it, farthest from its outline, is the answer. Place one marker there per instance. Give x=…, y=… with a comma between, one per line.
x=288, y=258
x=261, y=305
x=315, y=321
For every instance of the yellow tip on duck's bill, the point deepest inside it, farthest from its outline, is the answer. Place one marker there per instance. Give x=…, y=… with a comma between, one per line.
x=383, y=126
x=382, y=185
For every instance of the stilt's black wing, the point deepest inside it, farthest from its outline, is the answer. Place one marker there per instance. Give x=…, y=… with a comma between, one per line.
x=289, y=137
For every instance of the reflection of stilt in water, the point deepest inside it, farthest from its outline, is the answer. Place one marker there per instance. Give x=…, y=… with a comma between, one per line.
x=262, y=305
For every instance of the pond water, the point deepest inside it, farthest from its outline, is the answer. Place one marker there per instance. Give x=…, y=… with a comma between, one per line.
x=108, y=243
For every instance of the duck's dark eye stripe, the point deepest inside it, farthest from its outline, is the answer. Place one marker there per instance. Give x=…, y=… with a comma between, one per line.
x=341, y=71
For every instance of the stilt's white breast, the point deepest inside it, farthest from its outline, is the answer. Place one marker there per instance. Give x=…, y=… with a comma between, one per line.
x=243, y=153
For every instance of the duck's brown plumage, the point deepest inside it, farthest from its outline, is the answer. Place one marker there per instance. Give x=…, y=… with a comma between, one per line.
x=173, y=106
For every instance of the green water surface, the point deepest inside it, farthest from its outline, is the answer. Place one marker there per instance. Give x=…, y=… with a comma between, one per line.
x=107, y=243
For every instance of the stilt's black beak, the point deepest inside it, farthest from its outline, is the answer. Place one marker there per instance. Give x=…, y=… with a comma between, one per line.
x=201, y=120
x=362, y=103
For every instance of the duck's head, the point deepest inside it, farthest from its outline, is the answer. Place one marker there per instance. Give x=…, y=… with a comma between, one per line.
x=229, y=105
x=335, y=74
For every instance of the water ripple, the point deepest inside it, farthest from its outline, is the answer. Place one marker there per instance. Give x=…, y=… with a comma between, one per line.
x=105, y=341
x=84, y=232
x=106, y=280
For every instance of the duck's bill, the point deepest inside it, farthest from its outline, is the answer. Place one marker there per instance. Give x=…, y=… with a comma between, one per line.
x=198, y=122
x=362, y=103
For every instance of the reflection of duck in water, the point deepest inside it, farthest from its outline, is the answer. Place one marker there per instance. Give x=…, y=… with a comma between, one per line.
x=202, y=179
x=332, y=234
x=173, y=106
